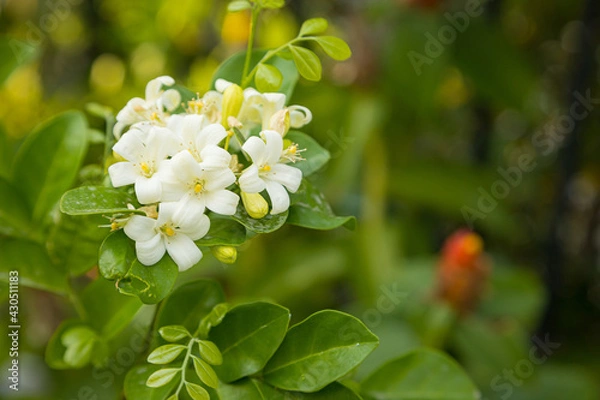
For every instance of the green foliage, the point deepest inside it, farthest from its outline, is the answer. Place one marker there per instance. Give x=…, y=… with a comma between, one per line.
x=268, y=78
x=421, y=374
x=313, y=26
x=307, y=62
x=315, y=156
x=88, y=200
x=14, y=53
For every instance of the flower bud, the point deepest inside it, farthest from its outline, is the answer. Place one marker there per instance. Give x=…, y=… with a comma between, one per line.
x=256, y=205
x=225, y=254
x=233, y=97
x=280, y=122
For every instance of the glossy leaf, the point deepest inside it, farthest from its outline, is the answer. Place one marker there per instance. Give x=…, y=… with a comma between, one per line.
x=162, y=377
x=14, y=215
x=250, y=389
x=189, y=303
x=47, y=163
x=421, y=374
x=232, y=68
x=213, y=318
x=79, y=344
x=223, y=232
x=117, y=253
x=210, y=352
x=238, y=5
x=87, y=200
x=315, y=155
x=150, y=284
x=33, y=265
x=318, y=351
x=196, y=392
x=247, y=338
x=165, y=354
x=334, y=47
x=205, y=372
x=310, y=210
x=271, y=3
x=268, y=78
x=269, y=223
x=55, y=349
x=313, y=26
x=135, y=384
x=307, y=62
x=173, y=333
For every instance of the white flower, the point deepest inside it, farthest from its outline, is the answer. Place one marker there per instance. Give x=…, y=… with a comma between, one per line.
x=145, y=148
x=258, y=108
x=201, y=139
x=174, y=232
x=268, y=172
x=152, y=108
x=196, y=187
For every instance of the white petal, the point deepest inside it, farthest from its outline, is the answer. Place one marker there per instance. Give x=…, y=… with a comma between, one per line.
x=183, y=251
x=197, y=228
x=150, y=252
x=154, y=87
x=171, y=99
x=118, y=129
x=140, y=228
x=299, y=116
x=219, y=179
x=214, y=157
x=222, y=84
x=212, y=134
x=185, y=167
x=274, y=146
x=250, y=182
x=123, y=173
x=256, y=149
x=277, y=100
x=288, y=176
x=166, y=212
x=161, y=143
x=222, y=202
x=280, y=199
x=148, y=190
x=189, y=211
x=130, y=146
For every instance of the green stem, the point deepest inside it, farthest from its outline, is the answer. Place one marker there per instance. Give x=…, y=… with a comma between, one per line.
x=76, y=302
x=253, y=21
x=184, y=365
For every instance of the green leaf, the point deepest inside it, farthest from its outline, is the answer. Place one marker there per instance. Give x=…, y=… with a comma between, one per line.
x=135, y=384
x=334, y=47
x=268, y=78
x=79, y=343
x=269, y=223
x=271, y=3
x=313, y=26
x=210, y=352
x=232, y=68
x=238, y=5
x=335, y=391
x=307, y=62
x=74, y=242
x=223, y=232
x=214, y=318
x=251, y=389
x=117, y=253
x=318, y=351
x=49, y=159
x=189, y=304
x=248, y=336
x=310, y=210
x=14, y=53
x=174, y=333
x=315, y=155
x=34, y=267
x=165, y=354
x=14, y=215
x=196, y=392
x=6, y=153
x=205, y=372
x=55, y=349
x=422, y=374
x=162, y=377
x=108, y=311
x=88, y=200
x=151, y=284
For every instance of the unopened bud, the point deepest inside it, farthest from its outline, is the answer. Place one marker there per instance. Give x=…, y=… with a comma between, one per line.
x=225, y=254
x=233, y=97
x=256, y=206
x=280, y=122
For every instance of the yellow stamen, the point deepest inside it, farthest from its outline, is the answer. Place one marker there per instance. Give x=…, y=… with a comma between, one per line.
x=169, y=231
x=198, y=188
x=114, y=226
x=145, y=168
x=265, y=168
x=154, y=116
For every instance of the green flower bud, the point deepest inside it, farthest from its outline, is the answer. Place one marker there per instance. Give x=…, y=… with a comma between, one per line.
x=225, y=254
x=256, y=206
x=233, y=97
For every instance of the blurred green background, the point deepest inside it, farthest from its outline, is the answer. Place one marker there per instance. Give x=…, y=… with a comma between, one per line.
x=413, y=149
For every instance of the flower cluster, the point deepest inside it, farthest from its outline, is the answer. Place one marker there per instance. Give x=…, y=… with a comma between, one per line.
x=184, y=159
